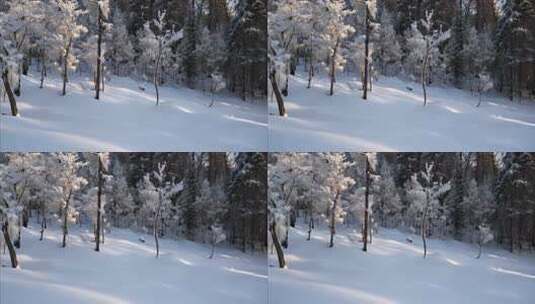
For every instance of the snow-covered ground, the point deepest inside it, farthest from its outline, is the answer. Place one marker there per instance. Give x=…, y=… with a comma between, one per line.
x=126, y=119
x=394, y=271
x=394, y=119
x=127, y=271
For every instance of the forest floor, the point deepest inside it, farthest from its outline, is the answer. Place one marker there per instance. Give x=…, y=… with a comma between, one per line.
x=394, y=271
x=394, y=119
x=127, y=271
x=127, y=119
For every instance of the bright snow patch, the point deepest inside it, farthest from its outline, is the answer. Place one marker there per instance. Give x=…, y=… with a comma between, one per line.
x=394, y=119
x=394, y=271
x=127, y=119
x=127, y=271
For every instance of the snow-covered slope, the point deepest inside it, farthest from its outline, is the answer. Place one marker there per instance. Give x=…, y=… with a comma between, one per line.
x=126, y=119
x=394, y=119
x=127, y=271
x=394, y=271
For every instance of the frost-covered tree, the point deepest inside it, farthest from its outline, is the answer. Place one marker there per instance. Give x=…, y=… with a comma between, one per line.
x=423, y=41
x=156, y=41
x=23, y=18
x=120, y=200
x=47, y=40
x=388, y=202
x=334, y=29
x=278, y=214
x=210, y=205
x=424, y=192
x=96, y=199
x=217, y=236
x=368, y=7
x=9, y=57
x=69, y=29
x=210, y=54
x=479, y=207
x=332, y=168
x=285, y=26
x=9, y=210
x=18, y=179
x=387, y=48
x=157, y=194
x=484, y=235
x=120, y=47
x=21, y=178
x=479, y=54
x=67, y=182
x=100, y=9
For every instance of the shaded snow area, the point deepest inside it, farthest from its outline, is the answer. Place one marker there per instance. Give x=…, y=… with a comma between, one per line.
x=127, y=271
x=394, y=119
x=394, y=271
x=127, y=119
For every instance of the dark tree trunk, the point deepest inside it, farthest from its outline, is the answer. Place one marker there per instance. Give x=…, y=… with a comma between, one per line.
x=156, y=73
x=26, y=63
x=479, y=251
x=65, y=67
x=285, y=88
x=333, y=220
x=43, y=227
x=333, y=67
x=10, y=248
x=310, y=74
x=43, y=71
x=18, y=89
x=278, y=96
x=424, y=72
x=99, y=54
x=423, y=226
x=99, y=204
x=366, y=53
x=65, y=220
x=156, y=221
x=278, y=247
x=366, y=205
x=9, y=92
x=310, y=226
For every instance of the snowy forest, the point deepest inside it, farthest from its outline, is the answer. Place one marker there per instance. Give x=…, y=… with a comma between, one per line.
x=210, y=206
x=195, y=57
x=457, y=58
x=397, y=208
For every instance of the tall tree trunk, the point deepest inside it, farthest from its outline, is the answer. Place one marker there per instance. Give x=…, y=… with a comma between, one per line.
x=310, y=226
x=366, y=205
x=99, y=54
x=333, y=67
x=423, y=226
x=278, y=96
x=285, y=88
x=43, y=227
x=65, y=220
x=333, y=219
x=366, y=54
x=43, y=71
x=99, y=204
x=278, y=247
x=9, y=92
x=479, y=251
x=310, y=74
x=65, y=67
x=156, y=221
x=18, y=89
x=156, y=72
x=10, y=248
